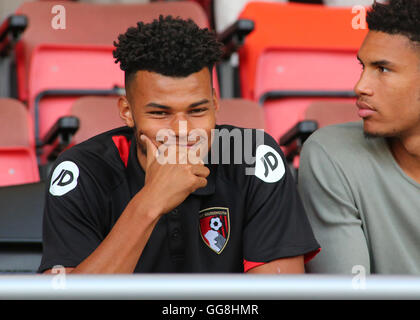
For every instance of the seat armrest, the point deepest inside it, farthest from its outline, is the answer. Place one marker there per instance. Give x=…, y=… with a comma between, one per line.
x=300, y=132
x=10, y=31
x=60, y=136
x=234, y=36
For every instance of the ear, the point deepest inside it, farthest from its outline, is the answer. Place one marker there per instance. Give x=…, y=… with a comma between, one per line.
x=125, y=111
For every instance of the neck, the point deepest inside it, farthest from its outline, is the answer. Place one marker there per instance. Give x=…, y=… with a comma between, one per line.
x=406, y=152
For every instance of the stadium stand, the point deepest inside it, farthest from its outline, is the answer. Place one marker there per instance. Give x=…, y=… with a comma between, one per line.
x=56, y=66
x=18, y=163
x=298, y=53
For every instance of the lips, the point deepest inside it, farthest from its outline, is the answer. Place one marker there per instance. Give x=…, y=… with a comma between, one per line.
x=182, y=145
x=365, y=110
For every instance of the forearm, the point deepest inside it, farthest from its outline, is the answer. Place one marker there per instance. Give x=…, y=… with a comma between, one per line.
x=289, y=265
x=120, y=251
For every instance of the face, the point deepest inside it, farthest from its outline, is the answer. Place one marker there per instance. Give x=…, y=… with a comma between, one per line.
x=181, y=110
x=389, y=88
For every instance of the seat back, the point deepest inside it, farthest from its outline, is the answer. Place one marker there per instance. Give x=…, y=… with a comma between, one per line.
x=299, y=30
x=59, y=74
x=21, y=227
x=240, y=112
x=18, y=163
x=96, y=115
x=327, y=113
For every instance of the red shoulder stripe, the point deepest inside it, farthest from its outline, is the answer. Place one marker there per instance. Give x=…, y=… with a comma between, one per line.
x=123, y=146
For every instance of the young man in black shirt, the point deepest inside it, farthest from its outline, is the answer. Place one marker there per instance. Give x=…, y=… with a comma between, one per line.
x=117, y=204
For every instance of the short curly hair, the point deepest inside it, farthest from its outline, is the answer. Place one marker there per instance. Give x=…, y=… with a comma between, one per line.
x=397, y=17
x=168, y=46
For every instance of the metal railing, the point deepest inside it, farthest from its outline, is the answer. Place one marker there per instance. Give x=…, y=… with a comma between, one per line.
x=206, y=286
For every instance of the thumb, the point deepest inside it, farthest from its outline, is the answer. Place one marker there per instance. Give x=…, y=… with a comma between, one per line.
x=151, y=150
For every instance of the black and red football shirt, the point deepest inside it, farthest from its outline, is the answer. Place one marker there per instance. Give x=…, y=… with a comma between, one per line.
x=249, y=212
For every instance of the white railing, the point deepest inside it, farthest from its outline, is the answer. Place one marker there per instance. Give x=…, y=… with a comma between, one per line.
x=205, y=286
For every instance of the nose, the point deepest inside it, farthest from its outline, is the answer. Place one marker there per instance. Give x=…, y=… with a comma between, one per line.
x=180, y=126
x=363, y=86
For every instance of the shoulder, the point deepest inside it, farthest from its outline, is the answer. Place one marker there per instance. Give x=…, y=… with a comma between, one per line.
x=346, y=142
x=336, y=135
x=97, y=159
x=246, y=153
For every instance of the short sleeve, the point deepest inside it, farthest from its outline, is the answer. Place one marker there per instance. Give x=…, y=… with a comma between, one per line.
x=276, y=225
x=328, y=200
x=71, y=228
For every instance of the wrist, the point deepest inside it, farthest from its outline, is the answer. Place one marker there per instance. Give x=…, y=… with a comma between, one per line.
x=145, y=204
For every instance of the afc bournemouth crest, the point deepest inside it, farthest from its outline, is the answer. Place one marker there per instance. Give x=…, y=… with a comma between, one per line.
x=215, y=227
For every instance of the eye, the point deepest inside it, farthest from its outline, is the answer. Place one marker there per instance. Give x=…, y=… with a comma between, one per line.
x=383, y=69
x=158, y=113
x=198, y=110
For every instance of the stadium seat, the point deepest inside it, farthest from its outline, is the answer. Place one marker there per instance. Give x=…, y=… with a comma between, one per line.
x=59, y=74
x=18, y=162
x=96, y=114
x=240, y=112
x=318, y=114
x=21, y=227
x=298, y=54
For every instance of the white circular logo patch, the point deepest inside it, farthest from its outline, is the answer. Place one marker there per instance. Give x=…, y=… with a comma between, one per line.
x=269, y=164
x=64, y=178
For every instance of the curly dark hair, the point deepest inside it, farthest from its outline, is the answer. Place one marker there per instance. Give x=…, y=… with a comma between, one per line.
x=168, y=46
x=397, y=17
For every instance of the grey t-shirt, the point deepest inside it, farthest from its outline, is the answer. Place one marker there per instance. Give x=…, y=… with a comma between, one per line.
x=363, y=208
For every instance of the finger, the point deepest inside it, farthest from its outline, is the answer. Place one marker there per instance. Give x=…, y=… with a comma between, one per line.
x=151, y=150
x=200, y=170
x=200, y=183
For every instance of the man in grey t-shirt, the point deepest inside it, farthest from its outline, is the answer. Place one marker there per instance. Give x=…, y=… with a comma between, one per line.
x=360, y=182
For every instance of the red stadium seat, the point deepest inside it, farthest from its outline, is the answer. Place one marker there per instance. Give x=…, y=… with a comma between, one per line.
x=59, y=74
x=96, y=114
x=298, y=54
x=18, y=162
x=240, y=112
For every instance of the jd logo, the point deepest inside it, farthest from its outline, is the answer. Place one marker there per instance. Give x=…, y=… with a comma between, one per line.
x=64, y=178
x=269, y=160
x=269, y=167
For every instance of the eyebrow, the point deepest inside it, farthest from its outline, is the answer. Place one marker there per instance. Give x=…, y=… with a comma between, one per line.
x=378, y=62
x=161, y=106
